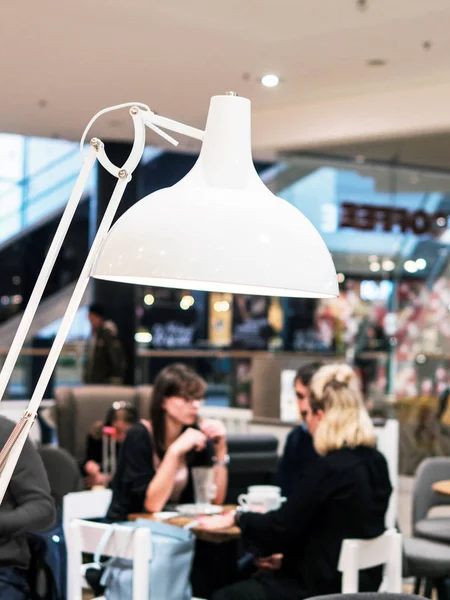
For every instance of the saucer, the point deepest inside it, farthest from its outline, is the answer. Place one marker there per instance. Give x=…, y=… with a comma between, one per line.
x=198, y=509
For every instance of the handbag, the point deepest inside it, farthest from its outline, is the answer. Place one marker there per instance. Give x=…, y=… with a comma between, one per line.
x=169, y=568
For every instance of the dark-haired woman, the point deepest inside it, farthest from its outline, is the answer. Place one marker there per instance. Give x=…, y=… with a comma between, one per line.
x=157, y=456
x=121, y=416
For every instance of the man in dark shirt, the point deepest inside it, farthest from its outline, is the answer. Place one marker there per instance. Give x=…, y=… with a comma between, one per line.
x=299, y=452
x=27, y=506
x=298, y=455
x=105, y=356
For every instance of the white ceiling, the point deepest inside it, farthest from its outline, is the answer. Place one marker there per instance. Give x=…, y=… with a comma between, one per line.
x=60, y=62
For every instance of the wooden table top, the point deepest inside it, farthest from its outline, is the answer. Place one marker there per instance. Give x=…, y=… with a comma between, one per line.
x=442, y=487
x=217, y=537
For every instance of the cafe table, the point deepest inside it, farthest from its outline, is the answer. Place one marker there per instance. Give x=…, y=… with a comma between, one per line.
x=442, y=487
x=217, y=537
x=216, y=553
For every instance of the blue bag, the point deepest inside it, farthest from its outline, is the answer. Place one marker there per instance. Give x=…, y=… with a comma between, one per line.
x=170, y=566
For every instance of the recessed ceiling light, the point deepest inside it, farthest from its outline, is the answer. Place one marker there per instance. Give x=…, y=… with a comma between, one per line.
x=421, y=263
x=376, y=62
x=270, y=80
x=375, y=267
x=410, y=266
x=340, y=277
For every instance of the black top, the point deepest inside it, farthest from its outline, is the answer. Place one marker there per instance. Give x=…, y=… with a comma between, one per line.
x=345, y=495
x=136, y=469
x=94, y=451
x=298, y=455
x=27, y=505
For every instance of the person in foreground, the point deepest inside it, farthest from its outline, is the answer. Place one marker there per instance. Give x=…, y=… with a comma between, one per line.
x=345, y=494
x=27, y=506
x=157, y=456
x=299, y=452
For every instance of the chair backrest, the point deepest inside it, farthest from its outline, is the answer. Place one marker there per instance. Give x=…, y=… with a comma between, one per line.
x=78, y=408
x=424, y=498
x=90, y=504
x=388, y=439
x=63, y=472
x=236, y=420
x=125, y=542
x=253, y=461
x=357, y=555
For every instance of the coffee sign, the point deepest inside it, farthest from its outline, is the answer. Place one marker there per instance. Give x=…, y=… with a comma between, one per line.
x=367, y=217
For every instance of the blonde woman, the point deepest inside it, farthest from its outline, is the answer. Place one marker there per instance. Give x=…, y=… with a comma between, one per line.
x=345, y=494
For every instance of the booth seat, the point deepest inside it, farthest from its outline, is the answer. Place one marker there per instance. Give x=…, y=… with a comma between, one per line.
x=77, y=408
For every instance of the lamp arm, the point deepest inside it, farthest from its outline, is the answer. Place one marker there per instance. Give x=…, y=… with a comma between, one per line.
x=47, y=268
x=152, y=120
x=10, y=453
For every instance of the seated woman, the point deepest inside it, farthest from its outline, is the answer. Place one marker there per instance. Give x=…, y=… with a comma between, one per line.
x=158, y=455
x=345, y=494
x=121, y=416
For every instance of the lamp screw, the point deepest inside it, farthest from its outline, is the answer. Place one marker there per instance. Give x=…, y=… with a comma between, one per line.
x=134, y=110
x=95, y=143
x=123, y=174
x=231, y=94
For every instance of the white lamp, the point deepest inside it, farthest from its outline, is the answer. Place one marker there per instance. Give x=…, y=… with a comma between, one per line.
x=218, y=229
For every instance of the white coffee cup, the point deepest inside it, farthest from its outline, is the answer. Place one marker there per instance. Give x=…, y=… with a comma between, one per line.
x=259, y=502
x=266, y=490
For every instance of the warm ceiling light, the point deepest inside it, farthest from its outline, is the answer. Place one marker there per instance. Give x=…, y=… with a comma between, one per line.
x=222, y=306
x=149, y=299
x=270, y=80
x=186, y=302
x=143, y=337
x=374, y=267
x=340, y=277
x=388, y=265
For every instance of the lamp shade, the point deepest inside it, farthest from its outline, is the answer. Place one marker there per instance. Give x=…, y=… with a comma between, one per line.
x=220, y=228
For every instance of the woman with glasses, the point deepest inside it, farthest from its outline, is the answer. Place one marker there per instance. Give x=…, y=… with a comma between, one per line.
x=157, y=456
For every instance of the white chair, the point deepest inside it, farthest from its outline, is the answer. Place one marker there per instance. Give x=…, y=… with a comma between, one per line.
x=83, y=505
x=388, y=444
x=126, y=542
x=363, y=554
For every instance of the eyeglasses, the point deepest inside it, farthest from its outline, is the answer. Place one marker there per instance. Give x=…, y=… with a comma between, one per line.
x=192, y=399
